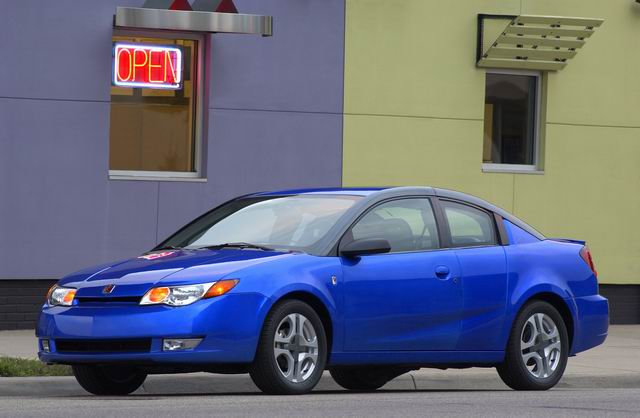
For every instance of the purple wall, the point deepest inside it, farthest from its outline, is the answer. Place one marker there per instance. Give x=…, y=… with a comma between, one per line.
x=275, y=121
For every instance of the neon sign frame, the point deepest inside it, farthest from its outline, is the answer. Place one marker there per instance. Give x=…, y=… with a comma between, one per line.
x=118, y=46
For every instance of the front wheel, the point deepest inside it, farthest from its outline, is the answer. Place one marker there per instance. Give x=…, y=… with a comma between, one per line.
x=108, y=380
x=538, y=349
x=292, y=350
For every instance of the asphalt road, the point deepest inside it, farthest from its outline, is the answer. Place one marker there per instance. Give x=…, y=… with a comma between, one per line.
x=421, y=395
x=559, y=403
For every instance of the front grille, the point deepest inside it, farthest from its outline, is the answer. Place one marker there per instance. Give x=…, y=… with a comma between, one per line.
x=103, y=346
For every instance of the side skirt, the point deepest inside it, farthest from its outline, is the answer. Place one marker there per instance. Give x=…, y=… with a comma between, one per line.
x=437, y=359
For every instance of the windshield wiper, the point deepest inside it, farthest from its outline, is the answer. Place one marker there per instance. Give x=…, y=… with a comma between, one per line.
x=240, y=245
x=167, y=247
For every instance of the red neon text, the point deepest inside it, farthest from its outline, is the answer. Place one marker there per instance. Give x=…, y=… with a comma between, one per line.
x=147, y=66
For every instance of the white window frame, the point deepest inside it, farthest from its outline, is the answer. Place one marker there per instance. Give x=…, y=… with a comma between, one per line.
x=521, y=168
x=199, y=92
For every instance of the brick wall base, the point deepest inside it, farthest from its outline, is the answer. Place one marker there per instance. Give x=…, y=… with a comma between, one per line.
x=20, y=302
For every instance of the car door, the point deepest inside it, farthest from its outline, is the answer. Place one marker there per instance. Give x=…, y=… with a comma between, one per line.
x=473, y=235
x=409, y=298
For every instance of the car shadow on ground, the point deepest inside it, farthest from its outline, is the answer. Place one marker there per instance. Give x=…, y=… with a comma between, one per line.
x=153, y=396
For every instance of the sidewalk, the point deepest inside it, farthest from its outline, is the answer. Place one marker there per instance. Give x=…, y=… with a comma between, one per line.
x=615, y=364
x=21, y=344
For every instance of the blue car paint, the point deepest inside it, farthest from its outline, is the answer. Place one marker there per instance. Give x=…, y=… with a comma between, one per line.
x=484, y=287
x=388, y=311
x=398, y=302
x=518, y=235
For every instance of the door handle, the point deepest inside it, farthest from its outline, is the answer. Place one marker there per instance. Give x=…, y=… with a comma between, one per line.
x=442, y=272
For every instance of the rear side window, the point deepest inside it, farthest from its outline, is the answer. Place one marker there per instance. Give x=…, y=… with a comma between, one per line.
x=408, y=225
x=469, y=227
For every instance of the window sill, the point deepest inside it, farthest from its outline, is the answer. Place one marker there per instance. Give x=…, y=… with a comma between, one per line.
x=156, y=177
x=511, y=168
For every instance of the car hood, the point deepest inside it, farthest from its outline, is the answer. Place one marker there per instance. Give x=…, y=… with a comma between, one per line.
x=134, y=277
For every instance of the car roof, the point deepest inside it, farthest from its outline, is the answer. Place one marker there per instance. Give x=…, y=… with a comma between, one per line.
x=353, y=191
x=374, y=194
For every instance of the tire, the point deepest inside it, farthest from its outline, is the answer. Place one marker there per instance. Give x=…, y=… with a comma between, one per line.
x=545, y=352
x=108, y=380
x=292, y=350
x=364, y=379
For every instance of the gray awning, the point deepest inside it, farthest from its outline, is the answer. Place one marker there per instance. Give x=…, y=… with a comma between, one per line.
x=531, y=42
x=193, y=21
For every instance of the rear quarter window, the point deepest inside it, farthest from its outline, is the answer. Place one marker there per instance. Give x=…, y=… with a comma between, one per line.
x=469, y=227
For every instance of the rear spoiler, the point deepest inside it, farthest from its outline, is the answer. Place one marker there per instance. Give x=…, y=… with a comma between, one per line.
x=573, y=241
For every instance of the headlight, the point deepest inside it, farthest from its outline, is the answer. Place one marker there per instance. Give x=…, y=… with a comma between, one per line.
x=188, y=294
x=60, y=296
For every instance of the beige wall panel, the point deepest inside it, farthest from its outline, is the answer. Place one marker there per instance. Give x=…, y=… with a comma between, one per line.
x=384, y=151
x=415, y=57
x=590, y=191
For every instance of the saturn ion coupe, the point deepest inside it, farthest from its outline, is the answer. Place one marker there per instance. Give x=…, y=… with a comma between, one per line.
x=365, y=283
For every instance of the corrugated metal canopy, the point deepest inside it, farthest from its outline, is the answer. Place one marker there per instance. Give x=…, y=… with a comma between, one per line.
x=531, y=42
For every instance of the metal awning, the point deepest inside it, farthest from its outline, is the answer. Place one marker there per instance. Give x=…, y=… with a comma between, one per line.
x=531, y=42
x=193, y=21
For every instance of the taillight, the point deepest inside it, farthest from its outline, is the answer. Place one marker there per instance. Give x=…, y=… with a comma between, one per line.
x=586, y=256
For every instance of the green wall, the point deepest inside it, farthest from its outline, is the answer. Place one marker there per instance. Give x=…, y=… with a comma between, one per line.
x=414, y=103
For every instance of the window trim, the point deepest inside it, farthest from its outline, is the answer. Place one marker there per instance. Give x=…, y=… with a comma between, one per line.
x=199, y=120
x=534, y=168
x=447, y=229
x=503, y=236
x=435, y=207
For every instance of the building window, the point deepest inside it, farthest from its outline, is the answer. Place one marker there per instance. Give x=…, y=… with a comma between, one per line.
x=156, y=106
x=511, y=118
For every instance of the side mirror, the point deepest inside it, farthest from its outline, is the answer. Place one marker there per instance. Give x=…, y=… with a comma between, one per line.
x=365, y=247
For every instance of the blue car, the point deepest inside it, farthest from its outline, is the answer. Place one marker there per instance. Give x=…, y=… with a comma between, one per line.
x=365, y=283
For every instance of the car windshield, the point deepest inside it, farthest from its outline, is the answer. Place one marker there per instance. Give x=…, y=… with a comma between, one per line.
x=279, y=222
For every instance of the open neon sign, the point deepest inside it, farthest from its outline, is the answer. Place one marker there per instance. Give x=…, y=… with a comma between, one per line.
x=147, y=66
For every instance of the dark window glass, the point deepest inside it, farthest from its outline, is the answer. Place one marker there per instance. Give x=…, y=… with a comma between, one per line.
x=469, y=227
x=408, y=225
x=509, y=119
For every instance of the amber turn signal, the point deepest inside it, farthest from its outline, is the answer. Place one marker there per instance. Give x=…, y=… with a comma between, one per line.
x=220, y=288
x=157, y=294
x=69, y=296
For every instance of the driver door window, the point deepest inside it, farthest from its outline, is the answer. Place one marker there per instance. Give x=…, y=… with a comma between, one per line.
x=408, y=225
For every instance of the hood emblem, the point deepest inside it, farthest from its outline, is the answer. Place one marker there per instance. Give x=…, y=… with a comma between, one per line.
x=155, y=256
x=108, y=289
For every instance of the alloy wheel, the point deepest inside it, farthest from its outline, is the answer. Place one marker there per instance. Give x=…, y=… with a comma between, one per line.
x=540, y=346
x=296, y=348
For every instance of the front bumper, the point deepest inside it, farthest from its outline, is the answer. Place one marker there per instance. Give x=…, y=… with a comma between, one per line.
x=229, y=325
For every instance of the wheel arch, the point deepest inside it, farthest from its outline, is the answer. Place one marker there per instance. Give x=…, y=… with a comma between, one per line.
x=320, y=306
x=560, y=305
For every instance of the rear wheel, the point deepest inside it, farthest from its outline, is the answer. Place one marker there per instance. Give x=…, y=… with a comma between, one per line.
x=108, y=380
x=364, y=379
x=292, y=350
x=538, y=349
